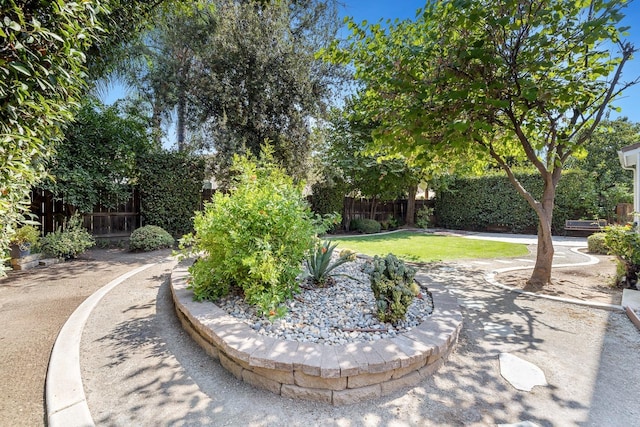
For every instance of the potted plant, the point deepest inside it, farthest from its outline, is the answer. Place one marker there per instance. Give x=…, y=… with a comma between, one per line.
x=26, y=238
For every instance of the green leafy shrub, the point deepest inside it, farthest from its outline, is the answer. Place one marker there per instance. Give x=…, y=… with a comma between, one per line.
x=170, y=189
x=423, y=217
x=479, y=202
x=393, y=287
x=27, y=237
x=319, y=263
x=328, y=198
x=366, y=226
x=150, y=238
x=624, y=243
x=254, y=237
x=69, y=241
x=596, y=244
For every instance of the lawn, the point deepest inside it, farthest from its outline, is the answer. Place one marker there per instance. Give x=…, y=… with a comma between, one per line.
x=422, y=247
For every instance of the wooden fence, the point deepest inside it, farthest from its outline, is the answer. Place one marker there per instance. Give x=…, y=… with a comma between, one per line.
x=103, y=222
x=379, y=210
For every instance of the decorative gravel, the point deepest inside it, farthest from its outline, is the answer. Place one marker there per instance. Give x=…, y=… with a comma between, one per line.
x=338, y=314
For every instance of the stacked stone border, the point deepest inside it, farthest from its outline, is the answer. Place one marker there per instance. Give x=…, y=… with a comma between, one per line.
x=338, y=374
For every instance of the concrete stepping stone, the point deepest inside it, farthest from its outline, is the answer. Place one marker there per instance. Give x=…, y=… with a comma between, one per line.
x=630, y=298
x=521, y=374
x=498, y=329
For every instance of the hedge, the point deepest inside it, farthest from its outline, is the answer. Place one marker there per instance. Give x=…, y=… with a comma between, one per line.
x=480, y=203
x=170, y=189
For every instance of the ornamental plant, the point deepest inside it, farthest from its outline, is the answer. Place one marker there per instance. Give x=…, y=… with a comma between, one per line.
x=319, y=263
x=253, y=238
x=393, y=287
x=69, y=241
x=150, y=238
x=624, y=243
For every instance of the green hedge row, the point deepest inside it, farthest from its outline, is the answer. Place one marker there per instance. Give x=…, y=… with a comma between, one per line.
x=481, y=203
x=170, y=189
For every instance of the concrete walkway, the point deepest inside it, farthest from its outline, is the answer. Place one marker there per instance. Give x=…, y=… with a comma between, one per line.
x=138, y=367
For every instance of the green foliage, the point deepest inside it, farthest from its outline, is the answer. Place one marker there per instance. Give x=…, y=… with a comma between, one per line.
x=479, y=202
x=260, y=81
x=423, y=217
x=327, y=197
x=170, y=186
x=254, y=237
x=596, y=244
x=624, y=243
x=393, y=287
x=43, y=49
x=150, y=238
x=365, y=225
x=96, y=161
x=27, y=237
x=511, y=81
x=319, y=263
x=68, y=241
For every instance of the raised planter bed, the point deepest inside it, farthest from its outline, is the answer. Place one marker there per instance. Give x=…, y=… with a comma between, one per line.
x=335, y=374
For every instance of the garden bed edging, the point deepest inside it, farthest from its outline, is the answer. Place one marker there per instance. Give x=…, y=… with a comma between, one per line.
x=334, y=374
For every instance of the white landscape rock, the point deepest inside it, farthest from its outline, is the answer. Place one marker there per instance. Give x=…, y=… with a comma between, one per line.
x=519, y=373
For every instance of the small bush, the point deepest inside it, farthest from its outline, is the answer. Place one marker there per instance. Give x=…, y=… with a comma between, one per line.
x=254, y=238
x=150, y=238
x=393, y=287
x=366, y=226
x=423, y=217
x=68, y=242
x=624, y=243
x=27, y=237
x=596, y=244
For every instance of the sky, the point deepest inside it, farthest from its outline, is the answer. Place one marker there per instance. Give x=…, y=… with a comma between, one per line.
x=376, y=10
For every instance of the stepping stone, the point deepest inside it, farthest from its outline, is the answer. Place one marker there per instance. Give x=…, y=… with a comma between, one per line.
x=521, y=374
x=499, y=330
x=630, y=298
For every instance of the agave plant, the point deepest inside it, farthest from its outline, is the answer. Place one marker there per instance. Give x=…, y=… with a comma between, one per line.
x=319, y=263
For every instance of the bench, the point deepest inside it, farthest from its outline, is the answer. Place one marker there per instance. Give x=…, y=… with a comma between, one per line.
x=585, y=225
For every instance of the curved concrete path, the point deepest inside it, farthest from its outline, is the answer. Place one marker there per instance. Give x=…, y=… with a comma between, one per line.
x=139, y=368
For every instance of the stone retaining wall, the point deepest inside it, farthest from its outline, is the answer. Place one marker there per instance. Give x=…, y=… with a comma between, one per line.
x=338, y=374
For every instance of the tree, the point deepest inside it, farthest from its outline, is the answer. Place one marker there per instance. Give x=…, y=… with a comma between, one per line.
x=43, y=52
x=160, y=63
x=506, y=79
x=370, y=175
x=613, y=184
x=96, y=161
x=259, y=80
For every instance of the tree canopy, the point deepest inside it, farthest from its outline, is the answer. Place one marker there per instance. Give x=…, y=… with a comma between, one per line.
x=505, y=79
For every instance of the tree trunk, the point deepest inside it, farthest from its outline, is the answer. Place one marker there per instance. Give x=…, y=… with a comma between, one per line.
x=181, y=121
x=541, y=274
x=411, y=206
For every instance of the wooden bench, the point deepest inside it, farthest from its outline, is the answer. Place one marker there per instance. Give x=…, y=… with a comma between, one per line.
x=585, y=225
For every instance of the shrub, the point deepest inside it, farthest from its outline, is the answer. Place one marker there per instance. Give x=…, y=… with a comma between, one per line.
x=27, y=237
x=624, y=243
x=328, y=198
x=465, y=202
x=423, y=217
x=367, y=226
x=393, y=287
x=69, y=241
x=254, y=238
x=596, y=244
x=170, y=190
x=150, y=238
x=319, y=263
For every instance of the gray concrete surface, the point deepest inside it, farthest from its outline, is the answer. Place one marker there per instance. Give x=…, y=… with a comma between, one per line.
x=140, y=368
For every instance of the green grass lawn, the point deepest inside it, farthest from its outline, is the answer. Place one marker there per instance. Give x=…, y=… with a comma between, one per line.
x=422, y=247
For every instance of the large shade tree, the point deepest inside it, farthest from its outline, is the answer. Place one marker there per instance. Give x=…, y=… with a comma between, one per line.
x=510, y=79
x=258, y=79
